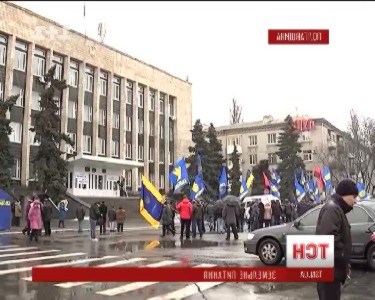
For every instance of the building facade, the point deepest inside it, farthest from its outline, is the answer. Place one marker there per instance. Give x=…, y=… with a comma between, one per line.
x=258, y=141
x=122, y=113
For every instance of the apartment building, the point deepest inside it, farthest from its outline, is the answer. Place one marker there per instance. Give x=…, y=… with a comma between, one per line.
x=258, y=141
x=122, y=113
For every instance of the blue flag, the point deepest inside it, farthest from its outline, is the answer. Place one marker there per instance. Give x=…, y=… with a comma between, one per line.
x=300, y=191
x=179, y=175
x=151, y=203
x=198, y=188
x=275, y=177
x=362, y=190
x=223, y=182
x=326, y=174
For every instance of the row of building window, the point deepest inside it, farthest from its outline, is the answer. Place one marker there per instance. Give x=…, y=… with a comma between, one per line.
x=39, y=69
x=307, y=155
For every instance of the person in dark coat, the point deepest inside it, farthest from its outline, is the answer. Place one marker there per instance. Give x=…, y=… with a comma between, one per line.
x=241, y=217
x=303, y=207
x=47, y=216
x=277, y=212
x=230, y=214
x=260, y=214
x=166, y=219
x=210, y=212
x=103, y=211
x=80, y=215
x=288, y=211
x=112, y=219
x=94, y=217
x=197, y=217
x=332, y=221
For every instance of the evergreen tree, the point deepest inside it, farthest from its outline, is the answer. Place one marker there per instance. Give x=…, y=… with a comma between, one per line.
x=289, y=150
x=49, y=165
x=235, y=173
x=200, y=146
x=258, y=183
x=214, y=160
x=6, y=157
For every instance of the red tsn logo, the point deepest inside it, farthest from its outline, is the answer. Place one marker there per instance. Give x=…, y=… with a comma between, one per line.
x=310, y=251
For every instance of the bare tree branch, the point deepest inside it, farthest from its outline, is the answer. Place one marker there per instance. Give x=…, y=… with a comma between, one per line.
x=235, y=113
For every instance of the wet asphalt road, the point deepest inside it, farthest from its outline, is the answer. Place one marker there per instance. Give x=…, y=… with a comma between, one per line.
x=212, y=249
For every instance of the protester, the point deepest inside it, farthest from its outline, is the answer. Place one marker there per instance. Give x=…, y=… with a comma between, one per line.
x=166, y=219
x=241, y=217
x=94, y=217
x=112, y=219
x=210, y=215
x=185, y=210
x=27, y=226
x=62, y=214
x=47, y=216
x=120, y=219
x=332, y=221
x=17, y=213
x=230, y=214
x=35, y=217
x=267, y=216
x=103, y=211
x=288, y=211
x=197, y=219
x=80, y=215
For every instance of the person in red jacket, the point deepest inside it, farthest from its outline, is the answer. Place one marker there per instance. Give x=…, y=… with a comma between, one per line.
x=185, y=210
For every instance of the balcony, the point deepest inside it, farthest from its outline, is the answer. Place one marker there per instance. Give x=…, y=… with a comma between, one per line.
x=332, y=145
x=230, y=149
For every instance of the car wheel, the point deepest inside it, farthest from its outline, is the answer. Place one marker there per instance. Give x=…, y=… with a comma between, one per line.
x=270, y=252
x=371, y=257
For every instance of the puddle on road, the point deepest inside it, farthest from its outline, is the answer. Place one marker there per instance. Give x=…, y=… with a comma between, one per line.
x=135, y=246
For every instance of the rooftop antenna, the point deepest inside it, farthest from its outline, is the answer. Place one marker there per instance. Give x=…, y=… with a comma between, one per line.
x=102, y=30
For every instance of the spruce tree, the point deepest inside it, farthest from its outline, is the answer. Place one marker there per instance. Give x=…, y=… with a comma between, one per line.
x=289, y=151
x=235, y=173
x=258, y=183
x=215, y=161
x=6, y=157
x=49, y=165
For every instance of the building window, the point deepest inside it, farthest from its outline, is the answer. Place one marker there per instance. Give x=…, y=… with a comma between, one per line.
x=140, y=96
x=36, y=101
x=102, y=117
x=58, y=61
x=87, y=113
x=129, y=92
x=32, y=138
x=39, y=62
x=171, y=134
x=71, y=149
x=89, y=79
x=152, y=178
x=170, y=157
x=140, y=152
x=161, y=105
x=103, y=83
x=115, y=149
x=57, y=102
x=139, y=178
x=171, y=107
x=2, y=91
x=101, y=146
x=272, y=158
x=309, y=175
x=3, y=50
x=16, y=169
x=73, y=74
x=253, y=159
x=162, y=182
x=115, y=121
x=152, y=128
x=272, y=138
x=306, y=135
x=16, y=134
x=19, y=91
x=128, y=152
x=140, y=126
x=161, y=131
x=161, y=156
x=151, y=103
x=20, y=56
x=253, y=140
x=116, y=88
x=151, y=155
x=72, y=110
x=307, y=155
x=86, y=144
x=128, y=124
x=128, y=178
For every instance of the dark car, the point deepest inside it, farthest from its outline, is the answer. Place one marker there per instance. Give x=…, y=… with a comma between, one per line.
x=270, y=243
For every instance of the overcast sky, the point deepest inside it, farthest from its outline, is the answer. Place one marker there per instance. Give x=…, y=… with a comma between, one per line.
x=223, y=48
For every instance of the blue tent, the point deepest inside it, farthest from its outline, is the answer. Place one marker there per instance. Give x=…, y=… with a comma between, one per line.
x=5, y=210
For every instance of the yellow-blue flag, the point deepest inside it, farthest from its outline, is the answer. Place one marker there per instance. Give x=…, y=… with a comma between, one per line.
x=151, y=203
x=198, y=188
x=179, y=175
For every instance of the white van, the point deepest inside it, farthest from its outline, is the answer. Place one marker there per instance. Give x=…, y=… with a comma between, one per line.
x=264, y=198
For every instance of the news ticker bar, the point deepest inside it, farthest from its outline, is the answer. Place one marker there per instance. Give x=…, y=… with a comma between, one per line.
x=185, y=274
x=298, y=36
